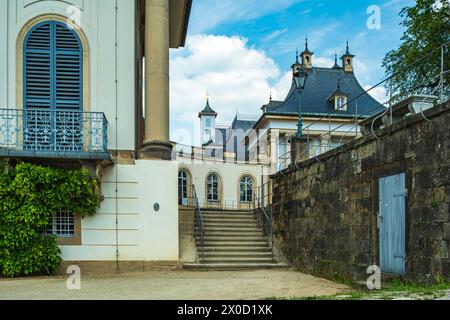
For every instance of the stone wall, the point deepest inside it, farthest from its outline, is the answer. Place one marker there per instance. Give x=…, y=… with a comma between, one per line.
x=326, y=209
x=186, y=233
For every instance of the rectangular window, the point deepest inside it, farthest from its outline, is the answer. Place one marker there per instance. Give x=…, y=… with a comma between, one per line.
x=341, y=103
x=62, y=225
x=208, y=123
x=282, y=154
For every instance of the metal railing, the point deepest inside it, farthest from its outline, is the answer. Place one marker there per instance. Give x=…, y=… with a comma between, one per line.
x=198, y=222
x=338, y=135
x=219, y=204
x=42, y=130
x=264, y=212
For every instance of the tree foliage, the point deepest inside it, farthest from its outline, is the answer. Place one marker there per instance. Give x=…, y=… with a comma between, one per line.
x=427, y=28
x=29, y=196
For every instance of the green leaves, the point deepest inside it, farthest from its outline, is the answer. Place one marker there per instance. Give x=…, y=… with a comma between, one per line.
x=427, y=28
x=29, y=196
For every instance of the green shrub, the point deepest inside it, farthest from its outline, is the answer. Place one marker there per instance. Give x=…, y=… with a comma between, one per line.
x=29, y=196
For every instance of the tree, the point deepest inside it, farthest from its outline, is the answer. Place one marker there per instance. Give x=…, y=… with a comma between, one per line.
x=427, y=28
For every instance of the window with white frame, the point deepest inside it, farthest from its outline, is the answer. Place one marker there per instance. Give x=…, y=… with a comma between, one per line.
x=282, y=154
x=213, y=187
x=341, y=103
x=183, y=180
x=62, y=225
x=246, y=189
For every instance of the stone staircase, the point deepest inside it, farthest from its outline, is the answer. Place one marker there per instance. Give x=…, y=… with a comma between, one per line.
x=233, y=240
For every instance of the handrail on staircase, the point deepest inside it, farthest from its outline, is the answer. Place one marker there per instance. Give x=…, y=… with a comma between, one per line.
x=199, y=224
x=264, y=218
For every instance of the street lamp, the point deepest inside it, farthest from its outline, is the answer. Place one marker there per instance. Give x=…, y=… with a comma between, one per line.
x=300, y=77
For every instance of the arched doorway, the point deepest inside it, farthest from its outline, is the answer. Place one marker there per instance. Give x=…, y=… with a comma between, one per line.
x=183, y=187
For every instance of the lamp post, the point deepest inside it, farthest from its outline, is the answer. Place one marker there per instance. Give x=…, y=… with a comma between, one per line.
x=300, y=77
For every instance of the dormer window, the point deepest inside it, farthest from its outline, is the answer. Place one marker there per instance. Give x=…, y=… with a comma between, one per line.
x=338, y=99
x=341, y=103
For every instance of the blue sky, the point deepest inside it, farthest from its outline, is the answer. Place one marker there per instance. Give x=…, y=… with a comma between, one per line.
x=240, y=50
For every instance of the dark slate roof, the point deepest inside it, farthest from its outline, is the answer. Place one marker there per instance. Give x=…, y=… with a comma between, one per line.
x=243, y=125
x=272, y=104
x=320, y=85
x=207, y=111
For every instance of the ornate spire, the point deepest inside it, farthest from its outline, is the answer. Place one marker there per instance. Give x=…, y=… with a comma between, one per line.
x=270, y=99
x=307, y=56
x=347, y=60
x=296, y=65
x=347, y=51
x=336, y=66
x=306, y=51
x=208, y=111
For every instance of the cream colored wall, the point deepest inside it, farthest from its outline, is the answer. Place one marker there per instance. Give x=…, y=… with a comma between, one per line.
x=97, y=22
x=143, y=234
x=230, y=174
x=315, y=129
x=4, y=99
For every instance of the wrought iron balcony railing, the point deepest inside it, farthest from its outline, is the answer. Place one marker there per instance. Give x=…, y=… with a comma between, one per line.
x=49, y=133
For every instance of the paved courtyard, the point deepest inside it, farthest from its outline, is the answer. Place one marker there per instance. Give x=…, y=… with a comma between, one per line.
x=174, y=285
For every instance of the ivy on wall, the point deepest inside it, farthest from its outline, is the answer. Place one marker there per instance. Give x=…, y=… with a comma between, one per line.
x=29, y=196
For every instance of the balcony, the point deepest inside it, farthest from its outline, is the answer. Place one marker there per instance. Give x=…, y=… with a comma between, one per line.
x=42, y=133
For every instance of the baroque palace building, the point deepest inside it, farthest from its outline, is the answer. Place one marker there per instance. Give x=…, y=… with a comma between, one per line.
x=86, y=84
x=251, y=148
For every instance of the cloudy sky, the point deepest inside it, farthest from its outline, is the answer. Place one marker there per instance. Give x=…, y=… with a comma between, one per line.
x=241, y=50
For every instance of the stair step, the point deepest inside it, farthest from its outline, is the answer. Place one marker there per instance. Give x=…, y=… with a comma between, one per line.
x=229, y=224
x=237, y=260
x=222, y=234
x=226, y=216
x=227, y=220
x=237, y=254
x=247, y=244
x=231, y=229
x=235, y=238
x=234, y=266
x=238, y=249
x=227, y=213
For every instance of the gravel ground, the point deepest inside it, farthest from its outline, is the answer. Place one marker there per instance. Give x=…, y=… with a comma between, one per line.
x=174, y=285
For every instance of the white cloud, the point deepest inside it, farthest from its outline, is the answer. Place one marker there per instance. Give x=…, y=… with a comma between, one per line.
x=236, y=76
x=379, y=93
x=323, y=62
x=274, y=35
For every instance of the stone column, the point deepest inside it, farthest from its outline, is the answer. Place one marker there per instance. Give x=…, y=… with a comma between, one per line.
x=156, y=139
x=299, y=149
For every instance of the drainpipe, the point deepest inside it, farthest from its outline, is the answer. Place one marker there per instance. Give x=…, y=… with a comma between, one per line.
x=116, y=119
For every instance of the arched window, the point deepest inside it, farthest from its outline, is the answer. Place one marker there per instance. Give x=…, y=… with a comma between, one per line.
x=183, y=187
x=212, y=187
x=246, y=189
x=52, y=88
